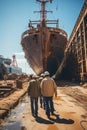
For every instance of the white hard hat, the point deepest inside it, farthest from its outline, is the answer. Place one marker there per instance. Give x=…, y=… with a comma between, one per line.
x=42, y=75
x=35, y=76
x=46, y=73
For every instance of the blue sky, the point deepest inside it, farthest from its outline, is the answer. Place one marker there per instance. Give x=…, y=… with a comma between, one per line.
x=14, y=19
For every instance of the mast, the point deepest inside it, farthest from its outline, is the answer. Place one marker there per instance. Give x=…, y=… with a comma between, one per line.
x=43, y=11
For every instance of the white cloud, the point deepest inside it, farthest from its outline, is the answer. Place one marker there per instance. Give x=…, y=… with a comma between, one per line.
x=22, y=62
x=19, y=53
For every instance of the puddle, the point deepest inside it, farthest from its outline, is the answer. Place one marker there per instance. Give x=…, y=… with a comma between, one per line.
x=20, y=107
x=12, y=123
x=18, y=110
x=13, y=126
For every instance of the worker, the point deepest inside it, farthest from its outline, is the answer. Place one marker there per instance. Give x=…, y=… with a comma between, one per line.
x=42, y=102
x=48, y=89
x=34, y=93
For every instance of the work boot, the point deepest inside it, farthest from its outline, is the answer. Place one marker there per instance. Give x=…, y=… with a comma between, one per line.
x=36, y=115
x=48, y=116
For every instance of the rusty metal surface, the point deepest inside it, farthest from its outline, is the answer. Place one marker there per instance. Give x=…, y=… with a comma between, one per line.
x=44, y=46
x=47, y=43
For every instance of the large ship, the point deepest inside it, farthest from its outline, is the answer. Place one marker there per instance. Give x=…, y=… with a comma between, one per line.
x=43, y=45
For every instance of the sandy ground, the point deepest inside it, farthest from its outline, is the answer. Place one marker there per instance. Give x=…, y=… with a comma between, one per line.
x=70, y=111
x=70, y=114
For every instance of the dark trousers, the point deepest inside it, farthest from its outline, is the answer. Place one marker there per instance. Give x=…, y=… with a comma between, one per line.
x=42, y=102
x=49, y=105
x=34, y=105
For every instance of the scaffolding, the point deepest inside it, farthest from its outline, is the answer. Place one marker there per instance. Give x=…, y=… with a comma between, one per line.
x=77, y=44
x=74, y=63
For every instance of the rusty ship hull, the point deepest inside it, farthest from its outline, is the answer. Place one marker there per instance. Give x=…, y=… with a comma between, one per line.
x=44, y=47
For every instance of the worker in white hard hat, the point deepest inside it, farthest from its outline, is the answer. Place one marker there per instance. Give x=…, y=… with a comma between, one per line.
x=34, y=92
x=48, y=89
x=42, y=103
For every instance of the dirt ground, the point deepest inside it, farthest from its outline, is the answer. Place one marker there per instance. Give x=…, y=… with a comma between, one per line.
x=70, y=111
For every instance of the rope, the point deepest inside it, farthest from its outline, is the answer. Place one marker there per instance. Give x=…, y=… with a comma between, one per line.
x=82, y=121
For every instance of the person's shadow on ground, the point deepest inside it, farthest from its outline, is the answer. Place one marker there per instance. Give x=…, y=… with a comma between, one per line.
x=43, y=121
x=52, y=120
x=61, y=120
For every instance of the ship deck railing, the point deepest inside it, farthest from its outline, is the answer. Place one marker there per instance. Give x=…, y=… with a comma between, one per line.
x=36, y=30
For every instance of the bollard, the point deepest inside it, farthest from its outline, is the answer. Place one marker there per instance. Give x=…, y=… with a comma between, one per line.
x=19, y=84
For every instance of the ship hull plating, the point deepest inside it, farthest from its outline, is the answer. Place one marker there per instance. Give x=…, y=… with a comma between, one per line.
x=44, y=48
